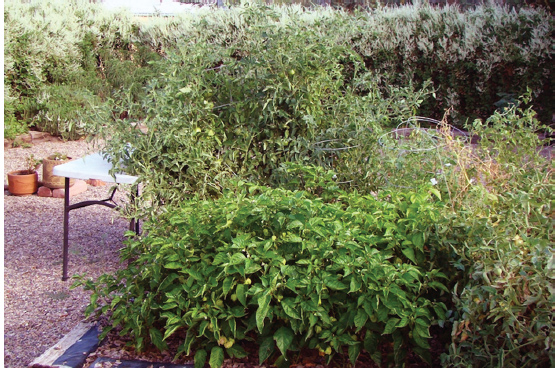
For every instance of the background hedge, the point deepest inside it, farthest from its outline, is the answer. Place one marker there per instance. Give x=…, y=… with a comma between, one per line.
x=477, y=60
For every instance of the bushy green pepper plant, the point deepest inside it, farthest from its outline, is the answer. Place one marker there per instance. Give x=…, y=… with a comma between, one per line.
x=341, y=273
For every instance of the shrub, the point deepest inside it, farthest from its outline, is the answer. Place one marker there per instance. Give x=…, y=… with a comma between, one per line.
x=62, y=109
x=499, y=227
x=68, y=49
x=286, y=269
x=506, y=308
x=277, y=94
x=494, y=234
x=472, y=57
x=475, y=58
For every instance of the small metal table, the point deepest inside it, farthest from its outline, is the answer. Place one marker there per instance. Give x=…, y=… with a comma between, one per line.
x=93, y=166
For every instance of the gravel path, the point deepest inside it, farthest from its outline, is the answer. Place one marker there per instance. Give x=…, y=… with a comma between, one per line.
x=39, y=308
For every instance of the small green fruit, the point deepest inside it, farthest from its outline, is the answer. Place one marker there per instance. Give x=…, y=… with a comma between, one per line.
x=229, y=343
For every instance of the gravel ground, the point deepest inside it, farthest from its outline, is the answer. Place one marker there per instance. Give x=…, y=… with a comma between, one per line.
x=39, y=308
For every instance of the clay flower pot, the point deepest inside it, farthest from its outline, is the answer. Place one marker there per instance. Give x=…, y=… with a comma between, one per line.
x=48, y=178
x=20, y=182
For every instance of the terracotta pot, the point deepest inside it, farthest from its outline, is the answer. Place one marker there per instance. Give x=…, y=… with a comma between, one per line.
x=48, y=178
x=22, y=183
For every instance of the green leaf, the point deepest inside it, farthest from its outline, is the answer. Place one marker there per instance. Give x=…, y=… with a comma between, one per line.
x=282, y=362
x=436, y=192
x=334, y=284
x=189, y=339
x=262, y=311
x=167, y=281
x=237, y=258
x=390, y=326
x=267, y=348
x=403, y=322
x=356, y=284
x=202, y=327
x=216, y=357
x=241, y=292
x=295, y=224
x=360, y=319
x=354, y=352
x=236, y=351
x=419, y=339
x=418, y=240
x=173, y=265
x=200, y=358
x=409, y=253
x=288, y=305
x=422, y=328
x=438, y=285
x=227, y=284
x=170, y=330
x=284, y=338
x=220, y=258
x=157, y=338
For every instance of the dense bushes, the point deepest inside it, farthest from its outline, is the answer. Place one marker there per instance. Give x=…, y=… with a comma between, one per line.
x=280, y=94
x=62, y=58
x=286, y=269
x=473, y=58
x=300, y=256
x=502, y=233
x=477, y=59
x=486, y=223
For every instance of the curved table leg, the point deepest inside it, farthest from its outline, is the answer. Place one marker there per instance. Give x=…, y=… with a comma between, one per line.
x=134, y=225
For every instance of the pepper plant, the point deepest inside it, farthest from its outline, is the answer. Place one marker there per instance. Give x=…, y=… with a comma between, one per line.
x=289, y=269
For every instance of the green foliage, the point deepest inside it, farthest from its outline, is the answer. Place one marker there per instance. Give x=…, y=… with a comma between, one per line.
x=502, y=233
x=286, y=268
x=31, y=164
x=470, y=57
x=506, y=309
x=62, y=109
x=63, y=55
x=276, y=94
x=12, y=127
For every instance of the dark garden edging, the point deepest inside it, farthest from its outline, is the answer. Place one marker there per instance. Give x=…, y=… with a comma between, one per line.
x=73, y=350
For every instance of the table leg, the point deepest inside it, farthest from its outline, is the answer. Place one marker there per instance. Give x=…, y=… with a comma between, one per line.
x=66, y=230
x=134, y=224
